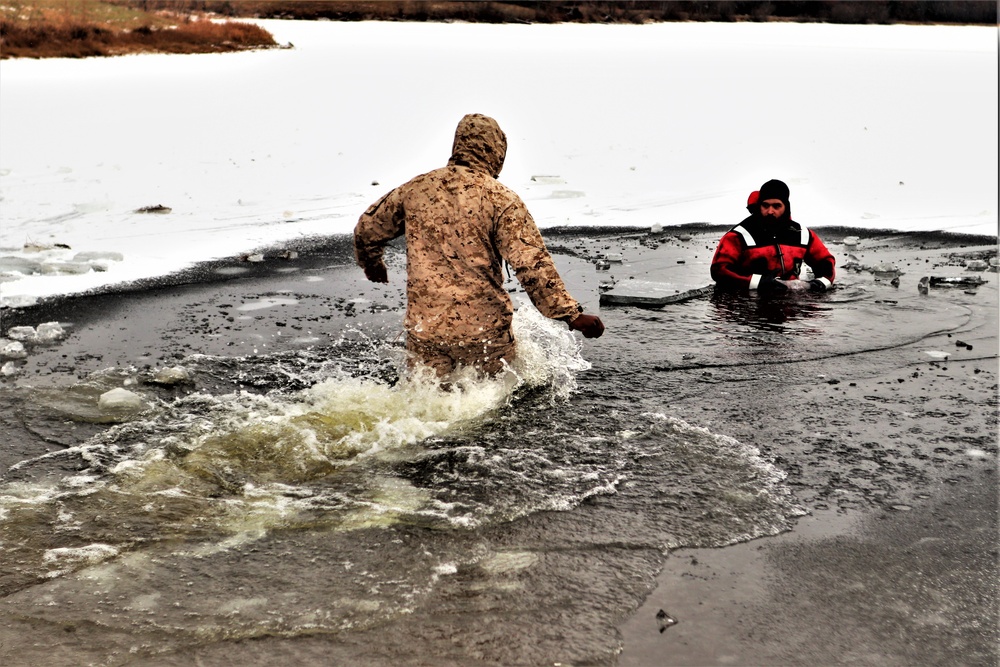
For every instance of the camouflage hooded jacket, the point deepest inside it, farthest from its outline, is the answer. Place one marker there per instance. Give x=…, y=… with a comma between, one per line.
x=460, y=224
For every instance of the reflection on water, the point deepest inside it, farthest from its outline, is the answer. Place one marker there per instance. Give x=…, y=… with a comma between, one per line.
x=769, y=313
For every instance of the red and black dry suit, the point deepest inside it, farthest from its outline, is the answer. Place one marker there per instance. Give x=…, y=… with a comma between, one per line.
x=759, y=250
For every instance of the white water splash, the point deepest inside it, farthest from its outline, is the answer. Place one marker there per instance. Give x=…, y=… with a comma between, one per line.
x=252, y=462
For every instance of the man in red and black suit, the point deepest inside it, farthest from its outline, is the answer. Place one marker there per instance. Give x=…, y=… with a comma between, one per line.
x=766, y=251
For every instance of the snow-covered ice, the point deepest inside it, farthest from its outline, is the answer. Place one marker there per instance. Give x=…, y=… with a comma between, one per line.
x=637, y=125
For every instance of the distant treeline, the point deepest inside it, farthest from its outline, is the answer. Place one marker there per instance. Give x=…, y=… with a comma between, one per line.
x=626, y=11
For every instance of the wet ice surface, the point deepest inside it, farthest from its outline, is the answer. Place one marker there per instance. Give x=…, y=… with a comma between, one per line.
x=300, y=491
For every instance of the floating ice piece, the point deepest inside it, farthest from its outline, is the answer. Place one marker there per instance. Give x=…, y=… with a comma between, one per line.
x=49, y=332
x=886, y=271
x=172, y=376
x=651, y=294
x=937, y=354
x=9, y=369
x=552, y=180
x=120, y=400
x=656, y=228
x=91, y=553
x=21, y=333
x=954, y=281
x=975, y=265
x=14, y=350
x=851, y=241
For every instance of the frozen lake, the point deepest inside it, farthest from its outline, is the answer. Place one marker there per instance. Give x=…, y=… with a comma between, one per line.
x=609, y=125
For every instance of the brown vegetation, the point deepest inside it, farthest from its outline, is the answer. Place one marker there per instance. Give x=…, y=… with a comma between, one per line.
x=41, y=29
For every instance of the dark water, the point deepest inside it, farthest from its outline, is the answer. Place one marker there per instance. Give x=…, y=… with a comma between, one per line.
x=300, y=493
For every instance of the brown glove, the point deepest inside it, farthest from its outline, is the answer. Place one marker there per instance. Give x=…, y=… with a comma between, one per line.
x=589, y=325
x=376, y=272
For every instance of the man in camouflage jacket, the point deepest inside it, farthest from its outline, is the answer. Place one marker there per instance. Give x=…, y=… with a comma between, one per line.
x=460, y=225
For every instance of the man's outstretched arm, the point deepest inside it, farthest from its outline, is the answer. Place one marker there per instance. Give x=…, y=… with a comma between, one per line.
x=381, y=223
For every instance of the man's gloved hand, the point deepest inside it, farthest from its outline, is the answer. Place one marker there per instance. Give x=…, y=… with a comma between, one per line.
x=771, y=285
x=817, y=286
x=589, y=325
x=377, y=273
x=795, y=285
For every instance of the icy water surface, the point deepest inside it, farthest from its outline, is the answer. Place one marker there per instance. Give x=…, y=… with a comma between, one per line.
x=306, y=493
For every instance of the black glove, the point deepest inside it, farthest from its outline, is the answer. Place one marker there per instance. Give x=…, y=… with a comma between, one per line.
x=771, y=285
x=817, y=286
x=589, y=325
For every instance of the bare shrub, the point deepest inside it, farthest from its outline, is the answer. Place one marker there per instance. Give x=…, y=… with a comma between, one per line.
x=70, y=39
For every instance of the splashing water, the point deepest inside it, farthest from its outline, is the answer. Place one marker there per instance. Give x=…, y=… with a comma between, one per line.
x=242, y=464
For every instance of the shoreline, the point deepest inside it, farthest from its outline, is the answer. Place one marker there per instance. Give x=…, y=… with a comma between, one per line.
x=275, y=257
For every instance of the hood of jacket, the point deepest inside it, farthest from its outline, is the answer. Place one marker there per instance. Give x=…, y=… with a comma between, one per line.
x=479, y=144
